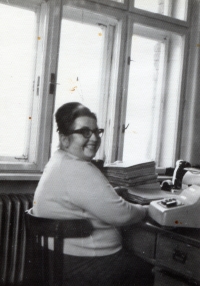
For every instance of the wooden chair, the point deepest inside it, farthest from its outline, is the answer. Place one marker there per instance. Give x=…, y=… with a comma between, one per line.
x=40, y=229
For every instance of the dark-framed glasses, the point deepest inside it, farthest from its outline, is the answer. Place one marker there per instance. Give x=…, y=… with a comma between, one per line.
x=87, y=132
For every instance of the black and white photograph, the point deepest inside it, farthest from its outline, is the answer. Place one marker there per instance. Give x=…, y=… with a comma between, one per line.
x=99, y=142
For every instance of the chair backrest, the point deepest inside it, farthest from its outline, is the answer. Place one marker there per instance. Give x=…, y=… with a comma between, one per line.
x=40, y=229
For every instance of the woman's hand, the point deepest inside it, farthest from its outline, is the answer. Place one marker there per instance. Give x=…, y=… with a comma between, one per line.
x=146, y=207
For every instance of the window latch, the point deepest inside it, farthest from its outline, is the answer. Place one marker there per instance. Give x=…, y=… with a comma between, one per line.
x=129, y=60
x=38, y=85
x=124, y=127
x=52, y=83
x=23, y=158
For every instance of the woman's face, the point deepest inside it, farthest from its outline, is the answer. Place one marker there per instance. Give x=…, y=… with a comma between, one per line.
x=79, y=146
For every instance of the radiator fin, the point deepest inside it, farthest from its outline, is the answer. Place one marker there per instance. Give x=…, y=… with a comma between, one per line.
x=13, y=237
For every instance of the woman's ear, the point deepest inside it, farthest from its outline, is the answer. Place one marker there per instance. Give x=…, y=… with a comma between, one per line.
x=64, y=141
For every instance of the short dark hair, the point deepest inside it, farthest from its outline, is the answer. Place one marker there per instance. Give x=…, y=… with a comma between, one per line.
x=68, y=112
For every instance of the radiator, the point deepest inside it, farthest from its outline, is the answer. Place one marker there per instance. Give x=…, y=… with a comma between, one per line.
x=13, y=237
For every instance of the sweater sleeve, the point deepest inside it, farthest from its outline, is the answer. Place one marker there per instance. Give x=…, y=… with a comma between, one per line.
x=89, y=189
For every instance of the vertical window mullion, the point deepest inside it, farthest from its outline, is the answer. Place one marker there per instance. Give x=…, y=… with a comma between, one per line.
x=115, y=104
x=124, y=91
x=38, y=83
x=158, y=133
x=105, y=87
x=28, y=150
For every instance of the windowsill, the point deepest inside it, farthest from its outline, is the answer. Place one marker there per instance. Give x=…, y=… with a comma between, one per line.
x=37, y=176
x=20, y=176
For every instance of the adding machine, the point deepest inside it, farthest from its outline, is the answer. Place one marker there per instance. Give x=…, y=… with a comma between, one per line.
x=179, y=210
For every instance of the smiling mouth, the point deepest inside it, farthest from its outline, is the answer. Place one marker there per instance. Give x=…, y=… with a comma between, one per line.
x=91, y=146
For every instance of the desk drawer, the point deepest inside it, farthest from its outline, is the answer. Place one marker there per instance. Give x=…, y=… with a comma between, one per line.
x=162, y=279
x=142, y=243
x=178, y=256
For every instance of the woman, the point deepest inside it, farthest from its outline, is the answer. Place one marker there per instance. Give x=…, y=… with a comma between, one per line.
x=72, y=187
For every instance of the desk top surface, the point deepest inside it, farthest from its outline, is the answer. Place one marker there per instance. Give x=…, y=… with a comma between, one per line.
x=187, y=235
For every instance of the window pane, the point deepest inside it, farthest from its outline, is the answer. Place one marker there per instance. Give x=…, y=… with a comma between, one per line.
x=141, y=100
x=172, y=8
x=153, y=99
x=17, y=54
x=79, y=66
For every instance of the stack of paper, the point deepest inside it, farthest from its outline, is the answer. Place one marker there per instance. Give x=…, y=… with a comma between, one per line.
x=144, y=194
x=131, y=174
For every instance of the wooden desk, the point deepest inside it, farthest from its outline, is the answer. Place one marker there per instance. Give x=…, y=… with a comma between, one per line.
x=174, y=253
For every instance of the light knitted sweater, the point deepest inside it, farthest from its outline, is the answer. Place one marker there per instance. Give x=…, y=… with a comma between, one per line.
x=71, y=188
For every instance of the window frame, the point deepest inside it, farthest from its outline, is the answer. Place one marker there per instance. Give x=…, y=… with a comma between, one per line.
x=30, y=4
x=117, y=90
x=45, y=69
x=20, y=163
x=113, y=82
x=167, y=26
x=41, y=107
x=113, y=3
x=43, y=104
x=160, y=16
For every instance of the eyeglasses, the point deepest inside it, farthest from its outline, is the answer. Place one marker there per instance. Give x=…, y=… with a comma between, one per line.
x=87, y=132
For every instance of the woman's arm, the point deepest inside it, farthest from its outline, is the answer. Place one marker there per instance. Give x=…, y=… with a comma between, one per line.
x=91, y=191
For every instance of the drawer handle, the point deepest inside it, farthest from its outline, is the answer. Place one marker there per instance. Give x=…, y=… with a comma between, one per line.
x=179, y=256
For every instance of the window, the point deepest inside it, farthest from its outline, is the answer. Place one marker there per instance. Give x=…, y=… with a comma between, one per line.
x=153, y=95
x=87, y=55
x=172, y=8
x=22, y=47
x=126, y=60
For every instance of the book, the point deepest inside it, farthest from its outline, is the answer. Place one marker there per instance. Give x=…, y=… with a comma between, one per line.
x=129, y=165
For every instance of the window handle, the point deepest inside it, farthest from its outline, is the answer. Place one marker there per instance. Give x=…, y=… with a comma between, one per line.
x=129, y=60
x=23, y=157
x=179, y=256
x=124, y=128
x=38, y=85
x=52, y=83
